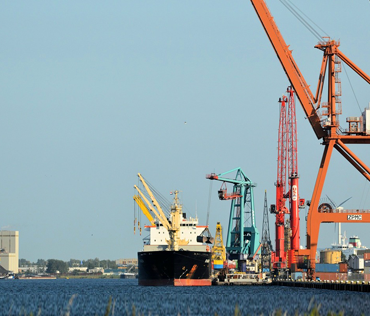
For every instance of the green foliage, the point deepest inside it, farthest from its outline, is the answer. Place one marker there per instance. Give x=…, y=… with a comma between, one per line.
x=90, y=263
x=96, y=263
x=74, y=263
x=54, y=265
x=41, y=262
x=24, y=262
x=108, y=264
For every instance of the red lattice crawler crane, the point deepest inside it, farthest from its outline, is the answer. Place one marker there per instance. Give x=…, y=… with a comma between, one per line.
x=287, y=156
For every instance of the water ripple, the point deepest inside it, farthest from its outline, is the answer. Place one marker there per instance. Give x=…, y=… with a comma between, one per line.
x=51, y=297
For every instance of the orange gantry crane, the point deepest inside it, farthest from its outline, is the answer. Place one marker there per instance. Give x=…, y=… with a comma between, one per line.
x=323, y=119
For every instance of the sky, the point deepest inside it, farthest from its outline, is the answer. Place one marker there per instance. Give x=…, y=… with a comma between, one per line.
x=94, y=92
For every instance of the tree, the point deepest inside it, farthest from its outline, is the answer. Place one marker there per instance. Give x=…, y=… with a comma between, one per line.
x=41, y=263
x=54, y=265
x=108, y=264
x=96, y=262
x=74, y=263
x=24, y=262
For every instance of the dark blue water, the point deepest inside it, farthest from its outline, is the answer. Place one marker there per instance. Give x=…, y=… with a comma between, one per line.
x=90, y=297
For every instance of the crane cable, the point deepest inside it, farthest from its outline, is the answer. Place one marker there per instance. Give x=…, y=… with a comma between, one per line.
x=209, y=201
x=350, y=83
x=365, y=194
x=289, y=6
x=306, y=24
x=163, y=202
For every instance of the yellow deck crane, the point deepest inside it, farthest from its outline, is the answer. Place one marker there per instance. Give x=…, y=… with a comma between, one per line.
x=171, y=224
x=145, y=211
x=218, y=250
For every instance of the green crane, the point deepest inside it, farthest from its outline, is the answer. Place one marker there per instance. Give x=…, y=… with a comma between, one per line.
x=242, y=236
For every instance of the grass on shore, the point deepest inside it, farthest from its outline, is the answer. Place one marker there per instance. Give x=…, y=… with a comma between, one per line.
x=313, y=310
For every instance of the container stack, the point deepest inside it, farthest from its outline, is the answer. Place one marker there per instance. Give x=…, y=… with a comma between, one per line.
x=331, y=272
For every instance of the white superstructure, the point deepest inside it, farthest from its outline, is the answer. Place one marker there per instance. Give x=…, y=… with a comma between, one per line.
x=366, y=120
x=189, y=230
x=348, y=249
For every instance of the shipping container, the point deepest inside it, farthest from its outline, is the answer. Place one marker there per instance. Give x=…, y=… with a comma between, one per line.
x=366, y=263
x=327, y=267
x=326, y=276
x=343, y=268
x=367, y=277
x=367, y=256
x=331, y=276
x=342, y=276
x=367, y=270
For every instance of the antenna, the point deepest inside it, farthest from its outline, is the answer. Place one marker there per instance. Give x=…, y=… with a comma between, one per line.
x=266, y=246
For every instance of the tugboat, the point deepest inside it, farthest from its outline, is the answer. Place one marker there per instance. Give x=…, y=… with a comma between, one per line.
x=176, y=251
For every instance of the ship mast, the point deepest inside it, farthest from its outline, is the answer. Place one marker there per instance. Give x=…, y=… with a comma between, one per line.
x=172, y=225
x=176, y=216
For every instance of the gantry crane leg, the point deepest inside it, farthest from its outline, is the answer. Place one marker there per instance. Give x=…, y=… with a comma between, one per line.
x=313, y=221
x=353, y=159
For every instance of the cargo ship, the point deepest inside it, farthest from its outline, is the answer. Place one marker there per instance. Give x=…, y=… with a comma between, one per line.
x=178, y=268
x=176, y=251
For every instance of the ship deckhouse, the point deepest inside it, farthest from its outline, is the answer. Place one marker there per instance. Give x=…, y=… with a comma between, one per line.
x=189, y=230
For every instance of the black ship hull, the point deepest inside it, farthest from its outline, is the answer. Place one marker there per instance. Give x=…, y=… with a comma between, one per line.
x=178, y=268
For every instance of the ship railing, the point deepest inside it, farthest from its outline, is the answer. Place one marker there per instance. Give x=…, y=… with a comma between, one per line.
x=240, y=276
x=359, y=211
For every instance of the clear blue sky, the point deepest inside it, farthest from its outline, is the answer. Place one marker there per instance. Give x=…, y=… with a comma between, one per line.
x=93, y=92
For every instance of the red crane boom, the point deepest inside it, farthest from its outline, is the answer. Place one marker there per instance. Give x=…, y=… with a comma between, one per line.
x=281, y=209
x=293, y=174
x=287, y=155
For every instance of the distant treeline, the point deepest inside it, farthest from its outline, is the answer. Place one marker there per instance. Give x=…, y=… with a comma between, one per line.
x=53, y=265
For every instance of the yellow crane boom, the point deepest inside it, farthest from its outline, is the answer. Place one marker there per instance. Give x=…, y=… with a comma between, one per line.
x=163, y=219
x=144, y=209
x=172, y=225
x=154, y=200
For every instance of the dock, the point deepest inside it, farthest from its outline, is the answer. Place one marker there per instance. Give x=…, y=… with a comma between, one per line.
x=356, y=286
x=241, y=279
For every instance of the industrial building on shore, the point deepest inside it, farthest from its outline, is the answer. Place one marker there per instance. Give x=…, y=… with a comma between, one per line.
x=9, y=250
